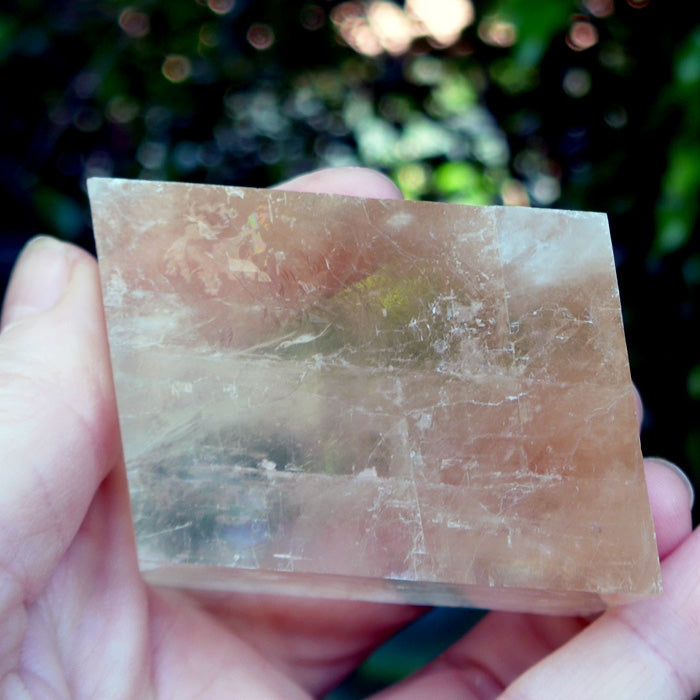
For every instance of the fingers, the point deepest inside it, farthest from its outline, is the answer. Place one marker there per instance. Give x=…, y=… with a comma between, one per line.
x=354, y=182
x=505, y=645
x=39, y=279
x=331, y=638
x=58, y=426
x=488, y=658
x=671, y=497
x=645, y=650
x=638, y=406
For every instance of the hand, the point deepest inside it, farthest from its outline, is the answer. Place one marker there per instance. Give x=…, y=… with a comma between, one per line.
x=77, y=620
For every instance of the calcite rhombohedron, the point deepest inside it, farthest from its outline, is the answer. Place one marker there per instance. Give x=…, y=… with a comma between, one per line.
x=378, y=400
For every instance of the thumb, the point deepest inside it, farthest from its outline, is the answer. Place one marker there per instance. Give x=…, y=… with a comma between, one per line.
x=58, y=428
x=39, y=279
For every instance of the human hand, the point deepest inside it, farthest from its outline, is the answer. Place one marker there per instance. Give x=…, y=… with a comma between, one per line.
x=77, y=620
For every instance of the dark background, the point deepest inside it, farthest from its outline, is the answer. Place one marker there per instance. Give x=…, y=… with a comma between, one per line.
x=593, y=104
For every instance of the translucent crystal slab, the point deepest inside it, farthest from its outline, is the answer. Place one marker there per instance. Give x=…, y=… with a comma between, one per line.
x=378, y=400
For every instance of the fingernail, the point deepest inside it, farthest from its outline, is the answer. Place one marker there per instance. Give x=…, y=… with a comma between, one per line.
x=39, y=278
x=482, y=684
x=683, y=476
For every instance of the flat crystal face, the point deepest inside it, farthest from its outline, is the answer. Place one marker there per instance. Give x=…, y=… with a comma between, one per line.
x=371, y=399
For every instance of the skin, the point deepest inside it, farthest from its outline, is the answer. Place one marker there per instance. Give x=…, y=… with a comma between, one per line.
x=77, y=621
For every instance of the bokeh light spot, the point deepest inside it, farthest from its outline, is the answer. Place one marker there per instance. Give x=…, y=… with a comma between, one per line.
x=380, y=25
x=582, y=35
x=546, y=189
x=616, y=117
x=312, y=17
x=693, y=382
x=442, y=20
x=613, y=56
x=210, y=156
x=176, y=68
x=121, y=109
x=99, y=164
x=61, y=114
x=497, y=32
x=425, y=70
x=638, y=4
x=391, y=26
x=577, y=82
x=347, y=12
x=260, y=36
x=151, y=155
x=86, y=83
x=413, y=179
x=186, y=156
x=600, y=8
x=514, y=194
x=208, y=35
x=353, y=27
x=87, y=120
x=134, y=23
x=157, y=119
x=221, y=7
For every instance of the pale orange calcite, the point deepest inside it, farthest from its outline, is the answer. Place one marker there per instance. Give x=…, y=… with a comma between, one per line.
x=377, y=400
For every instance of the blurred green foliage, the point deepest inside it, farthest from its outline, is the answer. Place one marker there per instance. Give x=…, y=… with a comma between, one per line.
x=590, y=104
